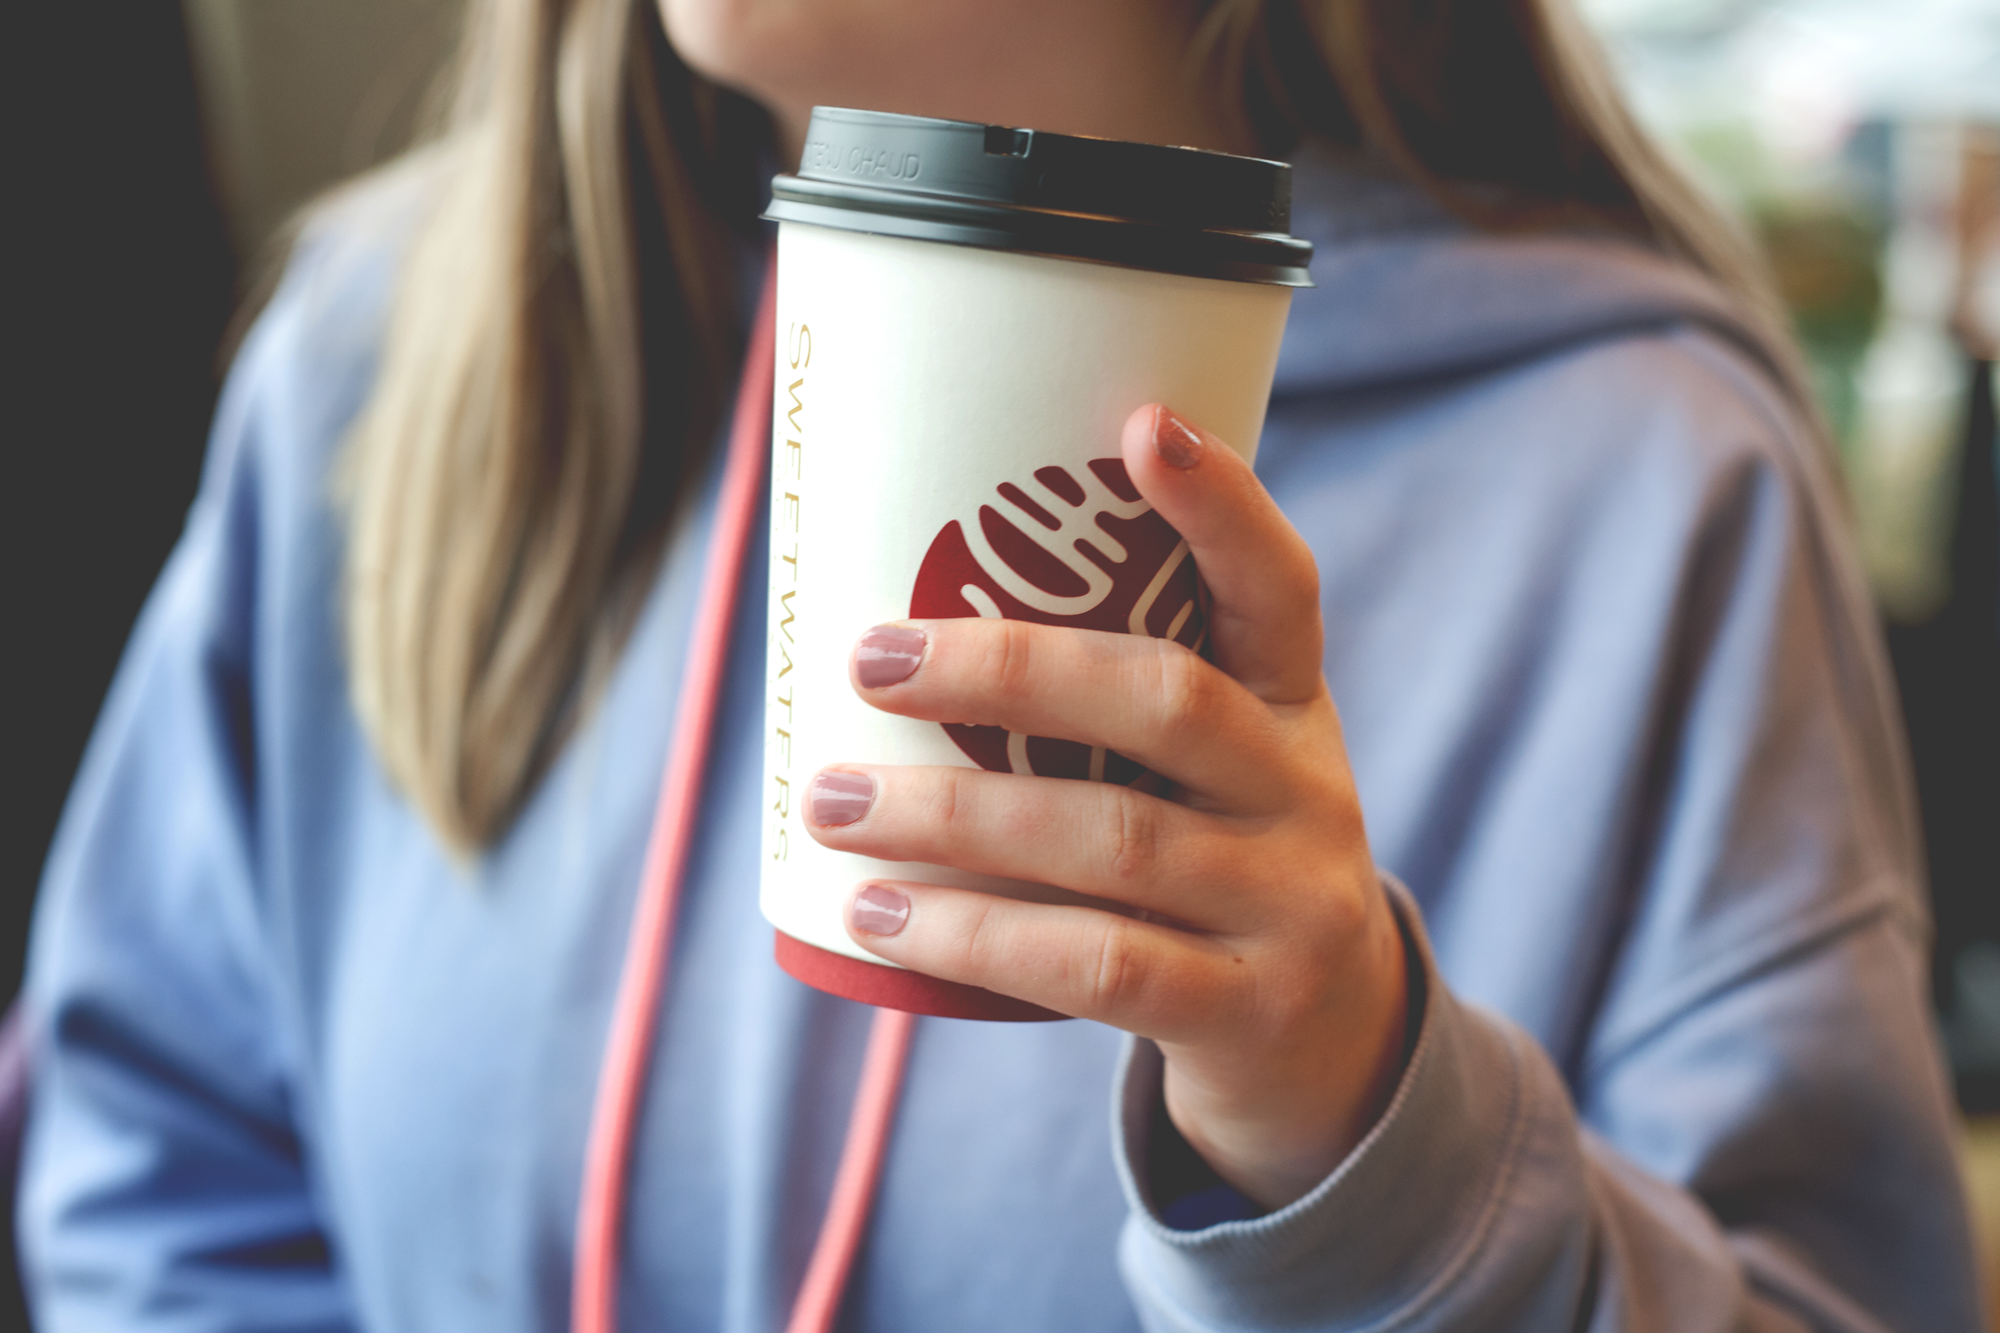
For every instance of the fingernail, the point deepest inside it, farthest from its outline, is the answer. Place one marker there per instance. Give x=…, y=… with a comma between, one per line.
x=877, y=910
x=1177, y=443
x=887, y=654
x=840, y=798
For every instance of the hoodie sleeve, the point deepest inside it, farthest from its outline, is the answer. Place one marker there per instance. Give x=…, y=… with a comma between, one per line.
x=165, y=1185
x=1755, y=1133
x=1481, y=1202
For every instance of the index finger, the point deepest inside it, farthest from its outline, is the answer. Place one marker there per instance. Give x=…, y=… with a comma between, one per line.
x=1263, y=583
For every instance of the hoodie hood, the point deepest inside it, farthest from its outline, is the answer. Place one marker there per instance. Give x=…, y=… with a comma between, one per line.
x=1404, y=291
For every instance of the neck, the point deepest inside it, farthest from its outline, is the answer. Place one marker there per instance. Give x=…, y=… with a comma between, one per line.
x=1114, y=71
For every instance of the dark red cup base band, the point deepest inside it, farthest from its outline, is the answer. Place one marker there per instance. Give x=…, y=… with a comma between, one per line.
x=900, y=988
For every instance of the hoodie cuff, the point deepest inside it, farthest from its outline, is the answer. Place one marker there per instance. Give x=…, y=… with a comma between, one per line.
x=1390, y=1224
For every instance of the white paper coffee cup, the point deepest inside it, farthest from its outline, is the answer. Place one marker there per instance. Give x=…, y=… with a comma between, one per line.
x=966, y=315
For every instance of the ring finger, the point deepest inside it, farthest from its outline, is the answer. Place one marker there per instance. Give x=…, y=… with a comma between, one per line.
x=1093, y=838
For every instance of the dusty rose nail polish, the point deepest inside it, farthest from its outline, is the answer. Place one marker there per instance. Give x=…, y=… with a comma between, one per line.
x=840, y=798
x=878, y=910
x=887, y=654
x=1177, y=443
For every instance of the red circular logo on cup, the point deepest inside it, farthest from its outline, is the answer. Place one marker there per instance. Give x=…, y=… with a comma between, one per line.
x=1071, y=547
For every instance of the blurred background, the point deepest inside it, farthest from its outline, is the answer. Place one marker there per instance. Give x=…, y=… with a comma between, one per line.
x=158, y=150
x=1859, y=141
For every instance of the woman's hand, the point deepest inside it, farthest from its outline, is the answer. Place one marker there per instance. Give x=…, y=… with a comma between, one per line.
x=1259, y=951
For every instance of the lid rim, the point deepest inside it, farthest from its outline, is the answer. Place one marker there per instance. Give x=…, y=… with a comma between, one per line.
x=856, y=116
x=1266, y=258
x=1144, y=205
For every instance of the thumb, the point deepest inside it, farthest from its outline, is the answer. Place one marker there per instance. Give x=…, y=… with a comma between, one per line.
x=1263, y=584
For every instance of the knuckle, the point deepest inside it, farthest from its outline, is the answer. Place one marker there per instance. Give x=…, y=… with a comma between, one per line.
x=1136, y=852
x=952, y=802
x=1301, y=967
x=1117, y=972
x=1012, y=663
x=1185, y=686
x=980, y=946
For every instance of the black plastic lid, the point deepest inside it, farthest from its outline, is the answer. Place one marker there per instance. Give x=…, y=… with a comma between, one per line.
x=1140, y=205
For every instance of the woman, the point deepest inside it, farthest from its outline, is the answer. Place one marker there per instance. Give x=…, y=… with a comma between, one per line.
x=329, y=938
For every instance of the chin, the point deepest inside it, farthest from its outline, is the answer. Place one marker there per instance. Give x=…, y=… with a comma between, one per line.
x=789, y=54
x=917, y=56
x=722, y=39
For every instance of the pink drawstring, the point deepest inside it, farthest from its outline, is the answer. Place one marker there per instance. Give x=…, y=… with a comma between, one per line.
x=860, y=1169
x=621, y=1081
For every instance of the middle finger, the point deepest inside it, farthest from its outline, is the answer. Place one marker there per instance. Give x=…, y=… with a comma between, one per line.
x=1149, y=699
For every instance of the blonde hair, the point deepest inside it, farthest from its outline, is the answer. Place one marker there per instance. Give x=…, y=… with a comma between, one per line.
x=567, y=313
x=549, y=362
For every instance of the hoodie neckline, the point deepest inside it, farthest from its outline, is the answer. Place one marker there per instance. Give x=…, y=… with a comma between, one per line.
x=1406, y=292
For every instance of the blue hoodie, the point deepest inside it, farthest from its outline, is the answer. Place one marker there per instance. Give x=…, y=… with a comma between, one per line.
x=1620, y=723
